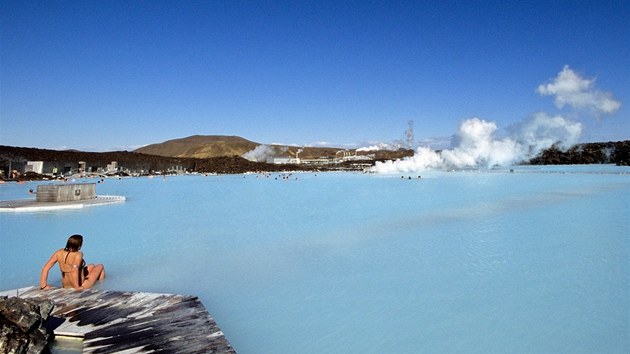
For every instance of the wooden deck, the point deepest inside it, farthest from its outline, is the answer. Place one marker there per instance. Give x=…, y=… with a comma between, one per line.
x=132, y=322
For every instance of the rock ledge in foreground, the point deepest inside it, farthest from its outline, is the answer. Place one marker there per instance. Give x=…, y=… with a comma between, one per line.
x=22, y=325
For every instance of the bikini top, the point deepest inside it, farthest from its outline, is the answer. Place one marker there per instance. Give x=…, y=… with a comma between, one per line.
x=65, y=261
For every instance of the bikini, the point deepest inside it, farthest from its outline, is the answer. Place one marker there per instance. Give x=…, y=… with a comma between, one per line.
x=82, y=270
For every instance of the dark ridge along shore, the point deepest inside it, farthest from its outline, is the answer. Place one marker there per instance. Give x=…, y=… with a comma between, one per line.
x=16, y=158
x=12, y=158
x=617, y=153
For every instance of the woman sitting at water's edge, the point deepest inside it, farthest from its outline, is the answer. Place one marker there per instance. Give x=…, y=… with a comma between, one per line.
x=74, y=273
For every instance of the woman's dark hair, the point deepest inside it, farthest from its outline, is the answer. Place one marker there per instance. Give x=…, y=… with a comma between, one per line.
x=74, y=243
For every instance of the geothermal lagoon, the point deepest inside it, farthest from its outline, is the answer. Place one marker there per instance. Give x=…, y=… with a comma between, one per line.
x=518, y=259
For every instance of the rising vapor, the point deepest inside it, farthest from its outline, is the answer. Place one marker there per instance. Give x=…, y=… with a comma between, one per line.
x=476, y=146
x=262, y=153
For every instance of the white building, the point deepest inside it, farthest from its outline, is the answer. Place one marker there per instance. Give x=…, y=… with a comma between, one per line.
x=283, y=160
x=112, y=167
x=34, y=166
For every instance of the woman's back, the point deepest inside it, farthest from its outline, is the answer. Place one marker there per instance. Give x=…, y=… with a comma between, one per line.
x=69, y=263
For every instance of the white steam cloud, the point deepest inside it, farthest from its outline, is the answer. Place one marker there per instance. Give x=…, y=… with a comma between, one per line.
x=477, y=146
x=541, y=131
x=475, y=143
x=261, y=153
x=577, y=92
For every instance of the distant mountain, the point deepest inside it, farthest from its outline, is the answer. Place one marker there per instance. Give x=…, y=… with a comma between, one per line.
x=207, y=146
x=201, y=146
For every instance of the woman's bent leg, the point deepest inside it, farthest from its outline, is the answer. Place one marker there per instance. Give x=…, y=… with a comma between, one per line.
x=95, y=272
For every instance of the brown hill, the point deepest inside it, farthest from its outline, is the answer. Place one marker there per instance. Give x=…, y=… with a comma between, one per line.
x=207, y=146
x=201, y=146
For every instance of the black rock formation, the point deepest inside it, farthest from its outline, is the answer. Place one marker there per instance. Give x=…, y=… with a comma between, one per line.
x=22, y=325
x=617, y=153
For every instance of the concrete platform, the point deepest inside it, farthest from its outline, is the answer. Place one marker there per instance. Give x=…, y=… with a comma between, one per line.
x=30, y=205
x=131, y=322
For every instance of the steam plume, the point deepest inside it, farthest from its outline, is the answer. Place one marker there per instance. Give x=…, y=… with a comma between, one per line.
x=260, y=154
x=477, y=146
x=475, y=143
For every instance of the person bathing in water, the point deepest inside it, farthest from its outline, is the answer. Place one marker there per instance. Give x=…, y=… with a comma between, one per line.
x=74, y=272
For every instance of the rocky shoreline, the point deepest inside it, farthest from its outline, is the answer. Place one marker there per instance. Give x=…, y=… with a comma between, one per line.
x=22, y=328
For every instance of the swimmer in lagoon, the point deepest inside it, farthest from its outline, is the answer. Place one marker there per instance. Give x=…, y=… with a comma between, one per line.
x=74, y=271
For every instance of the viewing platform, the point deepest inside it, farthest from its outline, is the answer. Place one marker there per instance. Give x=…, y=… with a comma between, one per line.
x=61, y=196
x=34, y=205
x=130, y=322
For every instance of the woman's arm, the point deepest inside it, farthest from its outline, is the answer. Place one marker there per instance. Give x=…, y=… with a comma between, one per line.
x=43, y=278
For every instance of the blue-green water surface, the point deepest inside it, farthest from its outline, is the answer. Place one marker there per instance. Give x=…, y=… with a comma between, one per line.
x=534, y=261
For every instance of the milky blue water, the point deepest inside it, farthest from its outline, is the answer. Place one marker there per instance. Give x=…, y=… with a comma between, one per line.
x=533, y=261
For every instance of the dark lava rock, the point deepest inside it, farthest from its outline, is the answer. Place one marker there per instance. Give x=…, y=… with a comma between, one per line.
x=22, y=325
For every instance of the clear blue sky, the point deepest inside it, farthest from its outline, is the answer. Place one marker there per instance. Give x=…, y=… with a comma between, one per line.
x=111, y=75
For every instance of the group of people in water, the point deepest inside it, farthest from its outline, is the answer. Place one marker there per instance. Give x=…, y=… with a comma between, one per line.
x=75, y=272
